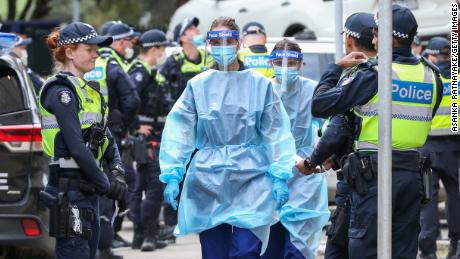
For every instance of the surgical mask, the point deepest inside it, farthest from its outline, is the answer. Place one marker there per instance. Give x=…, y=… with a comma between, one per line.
x=287, y=73
x=224, y=55
x=198, y=40
x=129, y=53
x=24, y=56
x=161, y=60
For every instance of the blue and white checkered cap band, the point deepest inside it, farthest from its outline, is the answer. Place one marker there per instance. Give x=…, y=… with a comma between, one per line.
x=397, y=34
x=352, y=33
x=286, y=54
x=77, y=40
x=228, y=34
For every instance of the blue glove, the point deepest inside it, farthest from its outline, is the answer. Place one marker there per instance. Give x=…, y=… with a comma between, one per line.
x=171, y=192
x=280, y=192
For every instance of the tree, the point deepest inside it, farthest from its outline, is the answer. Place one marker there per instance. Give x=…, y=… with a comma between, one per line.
x=27, y=9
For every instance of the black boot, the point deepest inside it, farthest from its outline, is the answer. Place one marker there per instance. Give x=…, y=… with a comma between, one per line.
x=150, y=239
x=108, y=254
x=138, y=237
x=167, y=233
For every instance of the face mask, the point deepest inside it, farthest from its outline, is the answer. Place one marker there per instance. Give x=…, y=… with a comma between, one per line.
x=223, y=55
x=129, y=53
x=24, y=57
x=161, y=60
x=286, y=76
x=198, y=40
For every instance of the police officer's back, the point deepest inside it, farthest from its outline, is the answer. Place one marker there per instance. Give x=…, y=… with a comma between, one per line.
x=413, y=109
x=181, y=66
x=255, y=55
x=443, y=146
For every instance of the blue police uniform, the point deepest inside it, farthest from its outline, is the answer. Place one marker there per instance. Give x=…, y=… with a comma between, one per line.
x=65, y=120
x=406, y=191
x=337, y=142
x=444, y=150
x=145, y=212
x=123, y=102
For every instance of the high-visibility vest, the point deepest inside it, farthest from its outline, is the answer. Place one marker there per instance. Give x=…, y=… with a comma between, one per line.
x=92, y=110
x=414, y=97
x=442, y=120
x=260, y=62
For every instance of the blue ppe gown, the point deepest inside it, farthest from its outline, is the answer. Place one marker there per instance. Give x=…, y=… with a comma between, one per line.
x=241, y=130
x=306, y=212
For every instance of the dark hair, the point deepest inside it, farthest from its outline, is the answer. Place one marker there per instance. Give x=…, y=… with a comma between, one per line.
x=288, y=44
x=225, y=21
x=404, y=43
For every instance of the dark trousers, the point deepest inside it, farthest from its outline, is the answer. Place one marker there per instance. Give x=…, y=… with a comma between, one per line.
x=228, y=242
x=77, y=247
x=106, y=209
x=445, y=166
x=334, y=250
x=280, y=246
x=406, y=198
x=148, y=182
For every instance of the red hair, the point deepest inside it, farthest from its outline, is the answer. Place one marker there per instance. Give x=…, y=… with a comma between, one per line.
x=58, y=51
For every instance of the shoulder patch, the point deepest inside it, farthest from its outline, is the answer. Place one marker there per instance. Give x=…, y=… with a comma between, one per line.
x=64, y=97
x=138, y=77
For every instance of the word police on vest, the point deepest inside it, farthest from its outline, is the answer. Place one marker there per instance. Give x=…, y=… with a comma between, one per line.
x=412, y=92
x=257, y=61
x=95, y=74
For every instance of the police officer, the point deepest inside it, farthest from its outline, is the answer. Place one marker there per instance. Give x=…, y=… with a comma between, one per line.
x=120, y=93
x=75, y=137
x=145, y=212
x=21, y=51
x=254, y=54
x=337, y=139
x=411, y=124
x=444, y=147
x=185, y=64
x=173, y=77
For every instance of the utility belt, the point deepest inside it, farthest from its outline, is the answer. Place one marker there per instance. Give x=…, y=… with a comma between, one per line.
x=66, y=218
x=65, y=184
x=360, y=167
x=64, y=162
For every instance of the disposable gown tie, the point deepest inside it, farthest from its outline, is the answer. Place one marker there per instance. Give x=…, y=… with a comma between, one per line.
x=242, y=133
x=306, y=212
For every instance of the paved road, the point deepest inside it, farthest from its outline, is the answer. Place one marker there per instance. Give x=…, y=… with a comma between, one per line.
x=188, y=247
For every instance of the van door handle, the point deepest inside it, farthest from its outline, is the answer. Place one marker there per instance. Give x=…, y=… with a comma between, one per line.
x=243, y=10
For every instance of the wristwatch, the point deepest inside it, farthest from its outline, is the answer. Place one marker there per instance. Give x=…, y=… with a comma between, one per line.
x=308, y=164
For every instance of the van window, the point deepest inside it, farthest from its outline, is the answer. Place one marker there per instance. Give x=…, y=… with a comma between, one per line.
x=11, y=98
x=314, y=64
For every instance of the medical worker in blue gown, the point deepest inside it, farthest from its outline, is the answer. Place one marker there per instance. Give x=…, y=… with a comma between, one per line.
x=238, y=178
x=302, y=218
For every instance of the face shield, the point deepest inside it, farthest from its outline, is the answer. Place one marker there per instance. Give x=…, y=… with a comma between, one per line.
x=223, y=47
x=286, y=65
x=7, y=42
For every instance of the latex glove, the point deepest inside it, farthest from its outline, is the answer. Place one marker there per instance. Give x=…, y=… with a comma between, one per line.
x=280, y=192
x=171, y=192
